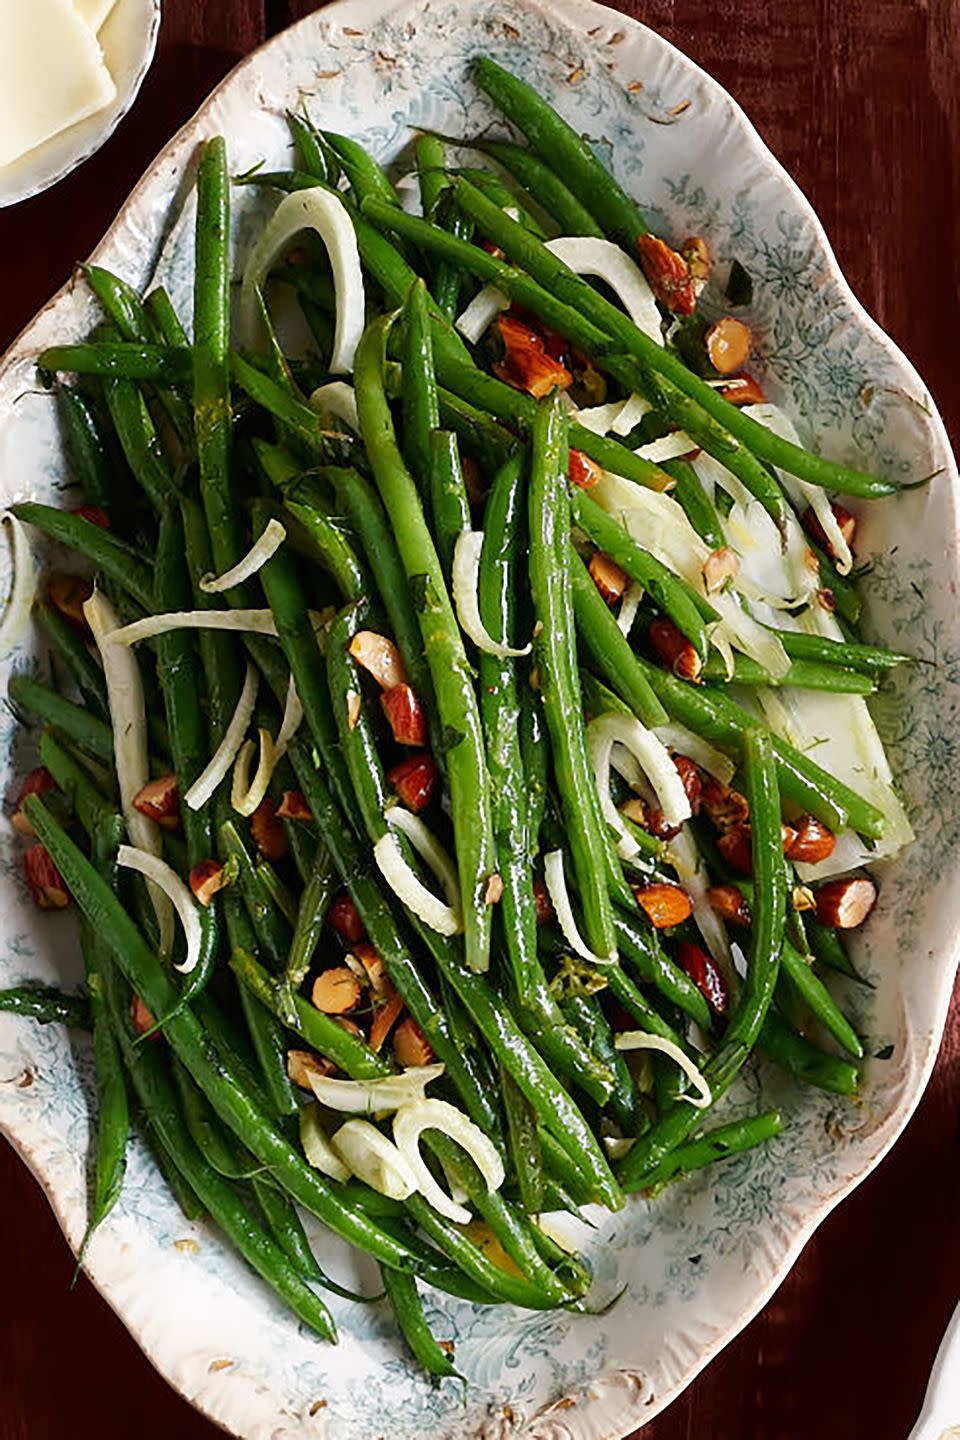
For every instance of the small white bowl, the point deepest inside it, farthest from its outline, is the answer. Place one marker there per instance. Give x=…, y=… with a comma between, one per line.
x=128, y=37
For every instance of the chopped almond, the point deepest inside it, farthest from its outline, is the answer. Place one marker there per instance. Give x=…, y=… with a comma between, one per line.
x=606, y=574
x=845, y=904
x=656, y=823
x=811, y=841
x=802, y=898
x=542, y=902
x=67, y=594
x=674, y=649
x=159, y=800
x=526, y=364
x=344, y=916
x=736, y=848
x=94, y=514
x=494, y=890
x=336, y=991
x=301, y=1064
x=141, y=1018
x=729, y=904
x=635, y=809
x=664, y=904
x=206, y=879
x=583, y=471
x=415, y=780
x=826, y=600
x=696, y=252
x=380, y=657
x=38, y=782
x=47, y=885
x=720, y=569
x=372, y=967
x=385, y=1015
x=405, y=715
x=846, y=523
x=493, y=249
x=410, y=1045
x=267, y=830
x=294, y=806
x=351, y=1026
x=692, y=780
x=354, y=707
x=705, y=975
x=668, y=275
x=743, y=390
x=728, y=344
x=726, y=807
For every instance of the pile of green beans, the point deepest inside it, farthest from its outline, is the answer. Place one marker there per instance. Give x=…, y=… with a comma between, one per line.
x=413, y=692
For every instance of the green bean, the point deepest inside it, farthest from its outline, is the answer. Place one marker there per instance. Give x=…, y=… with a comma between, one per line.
x=802, y=675
x=695, y=503
x=320, y=1031
x=421, y=408
x=315, y=898
x=47, y=1005
x=138, y=439
x=563, y=1169
x=264, y=1029
x=490, y=444
x=269, y=924
x=868, y=659
x=494, y=188
x=366, y=177
x=117, y=361
x=85, y=446
x=556, y=662
x=286, y=1227
x=215, y=1143
x=451, y=1241
x=540, y=182
x=828, y=947
x=211, y=362
x=607, y=644
x=643, y=951
x=795, y=1054
x=632, y=1000
x=214, y=1075
x=89, y=732
x=115, y=557
x=434, y=183
x=584, y=1012
x=164, y=319
x=75, y=783
x=523, y=1144
x=190, y=1204
x=408, y=1312
x=70, y=646
x=449, y=506
x=721, y=1143
x=455, y=700
x=668, y=591
x=821, y=1003
x=843, y=588
x=308, y=151
x=713, y=715
x=753, y=1004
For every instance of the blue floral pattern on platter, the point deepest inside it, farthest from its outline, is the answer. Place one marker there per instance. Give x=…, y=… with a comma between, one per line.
x=704, y=1257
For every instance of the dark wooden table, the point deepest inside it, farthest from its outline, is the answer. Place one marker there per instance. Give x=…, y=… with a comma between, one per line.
x=860, y=99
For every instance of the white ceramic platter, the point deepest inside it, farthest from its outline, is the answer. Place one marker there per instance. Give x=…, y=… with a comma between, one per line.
x=704, y=1258
x=128, y=38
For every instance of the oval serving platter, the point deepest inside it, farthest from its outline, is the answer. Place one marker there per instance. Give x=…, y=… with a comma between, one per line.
x=704, y=1257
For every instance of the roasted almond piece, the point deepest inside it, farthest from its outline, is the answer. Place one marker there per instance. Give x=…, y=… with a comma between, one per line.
x=206, y=879
x=159, y=800
x=743, y=390
x=67, y=594
x=846, y=523
x=379, y=656
x=635, y=809
x=583, y=471
x=267, y=830
x=301, y=1064
x=36, y=783
x=720, y=568
x=405, y=715
x=494, y=891
x=293, y=806
x=728, y=344
x=606, y=574
x=351, y=1026
x=372, y=966
x=725, y=806
x=141, y=1018
x=735, y=847
x=703, y=972
x=344, y=916
x=415, y=780
x=729, y=904
x=336, y=991
x=47, y=885
x=410, y=1045
x=696, y=252
x=674, y=650
x=826, y=600
x=668, y=275
x=663, y=904
x=845, y=904
x=656, y=823
x=386, y=1012
x=692, y=780
x=94, y=514
x=542, y=902
x=810, y=842
x=526, y=364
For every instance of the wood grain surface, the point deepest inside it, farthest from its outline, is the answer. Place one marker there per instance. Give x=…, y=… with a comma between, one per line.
x=860, y=99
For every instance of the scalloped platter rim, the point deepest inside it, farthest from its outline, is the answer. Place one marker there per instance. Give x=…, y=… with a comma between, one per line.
x=707, y=1255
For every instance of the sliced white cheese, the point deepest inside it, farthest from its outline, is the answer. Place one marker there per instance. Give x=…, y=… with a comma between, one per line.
x=52, y=73
x=94, y=11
